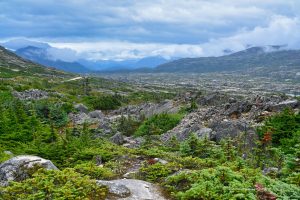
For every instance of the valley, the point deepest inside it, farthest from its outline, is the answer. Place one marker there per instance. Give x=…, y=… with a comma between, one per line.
x=238, y=83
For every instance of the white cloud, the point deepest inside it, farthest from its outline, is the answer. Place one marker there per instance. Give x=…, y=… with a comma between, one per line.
x=280, y=31
x=194, y=12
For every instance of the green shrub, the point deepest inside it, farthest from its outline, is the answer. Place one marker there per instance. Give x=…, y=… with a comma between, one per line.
x=202, y=148
x=214, y=183
x=158, y=124
x=283, y=127
x=127, y=125
x=103, y=102
x=156, y=172
x=280, y=189
x=3, y=156
x=55, y=184
x=53, y=113
x=94, y=171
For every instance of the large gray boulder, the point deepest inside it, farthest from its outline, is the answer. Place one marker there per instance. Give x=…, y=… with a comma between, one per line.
x=132, y=189
x=18, y=168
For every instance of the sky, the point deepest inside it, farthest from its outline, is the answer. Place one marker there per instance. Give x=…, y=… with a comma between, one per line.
x=128, y=29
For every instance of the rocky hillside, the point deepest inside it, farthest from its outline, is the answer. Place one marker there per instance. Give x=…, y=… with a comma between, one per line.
x=255, y=57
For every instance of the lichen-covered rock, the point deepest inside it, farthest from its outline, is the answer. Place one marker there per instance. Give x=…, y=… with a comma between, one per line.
x=19, y=167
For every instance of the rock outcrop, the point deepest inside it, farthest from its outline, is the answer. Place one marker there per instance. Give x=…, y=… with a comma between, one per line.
x=229, y=119
x=132, y=189
x=18, y=168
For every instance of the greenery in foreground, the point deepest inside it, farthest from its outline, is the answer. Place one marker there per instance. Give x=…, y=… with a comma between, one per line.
x=196, y=169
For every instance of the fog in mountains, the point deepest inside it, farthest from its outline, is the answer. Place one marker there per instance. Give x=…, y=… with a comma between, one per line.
x=68, y=60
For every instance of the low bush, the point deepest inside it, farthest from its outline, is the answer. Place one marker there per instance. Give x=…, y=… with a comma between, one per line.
x=158, y=124
x=55, y=184
x=94, y=171
x=103, y=102
x=212, y=183
x=158, y=171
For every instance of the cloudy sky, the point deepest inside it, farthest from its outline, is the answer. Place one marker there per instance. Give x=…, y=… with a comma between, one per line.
x=122, y=29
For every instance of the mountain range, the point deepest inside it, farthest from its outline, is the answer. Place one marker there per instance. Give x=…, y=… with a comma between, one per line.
x=267, y=57
x=42, y=53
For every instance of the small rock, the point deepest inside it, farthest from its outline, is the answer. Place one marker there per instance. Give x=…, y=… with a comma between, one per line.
x=8, y=153
x=79, y=118
x=270, y=170
x=158, y=160
x=96, y=114
x=204, y=133
x=81, y=108
x=117, y=139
